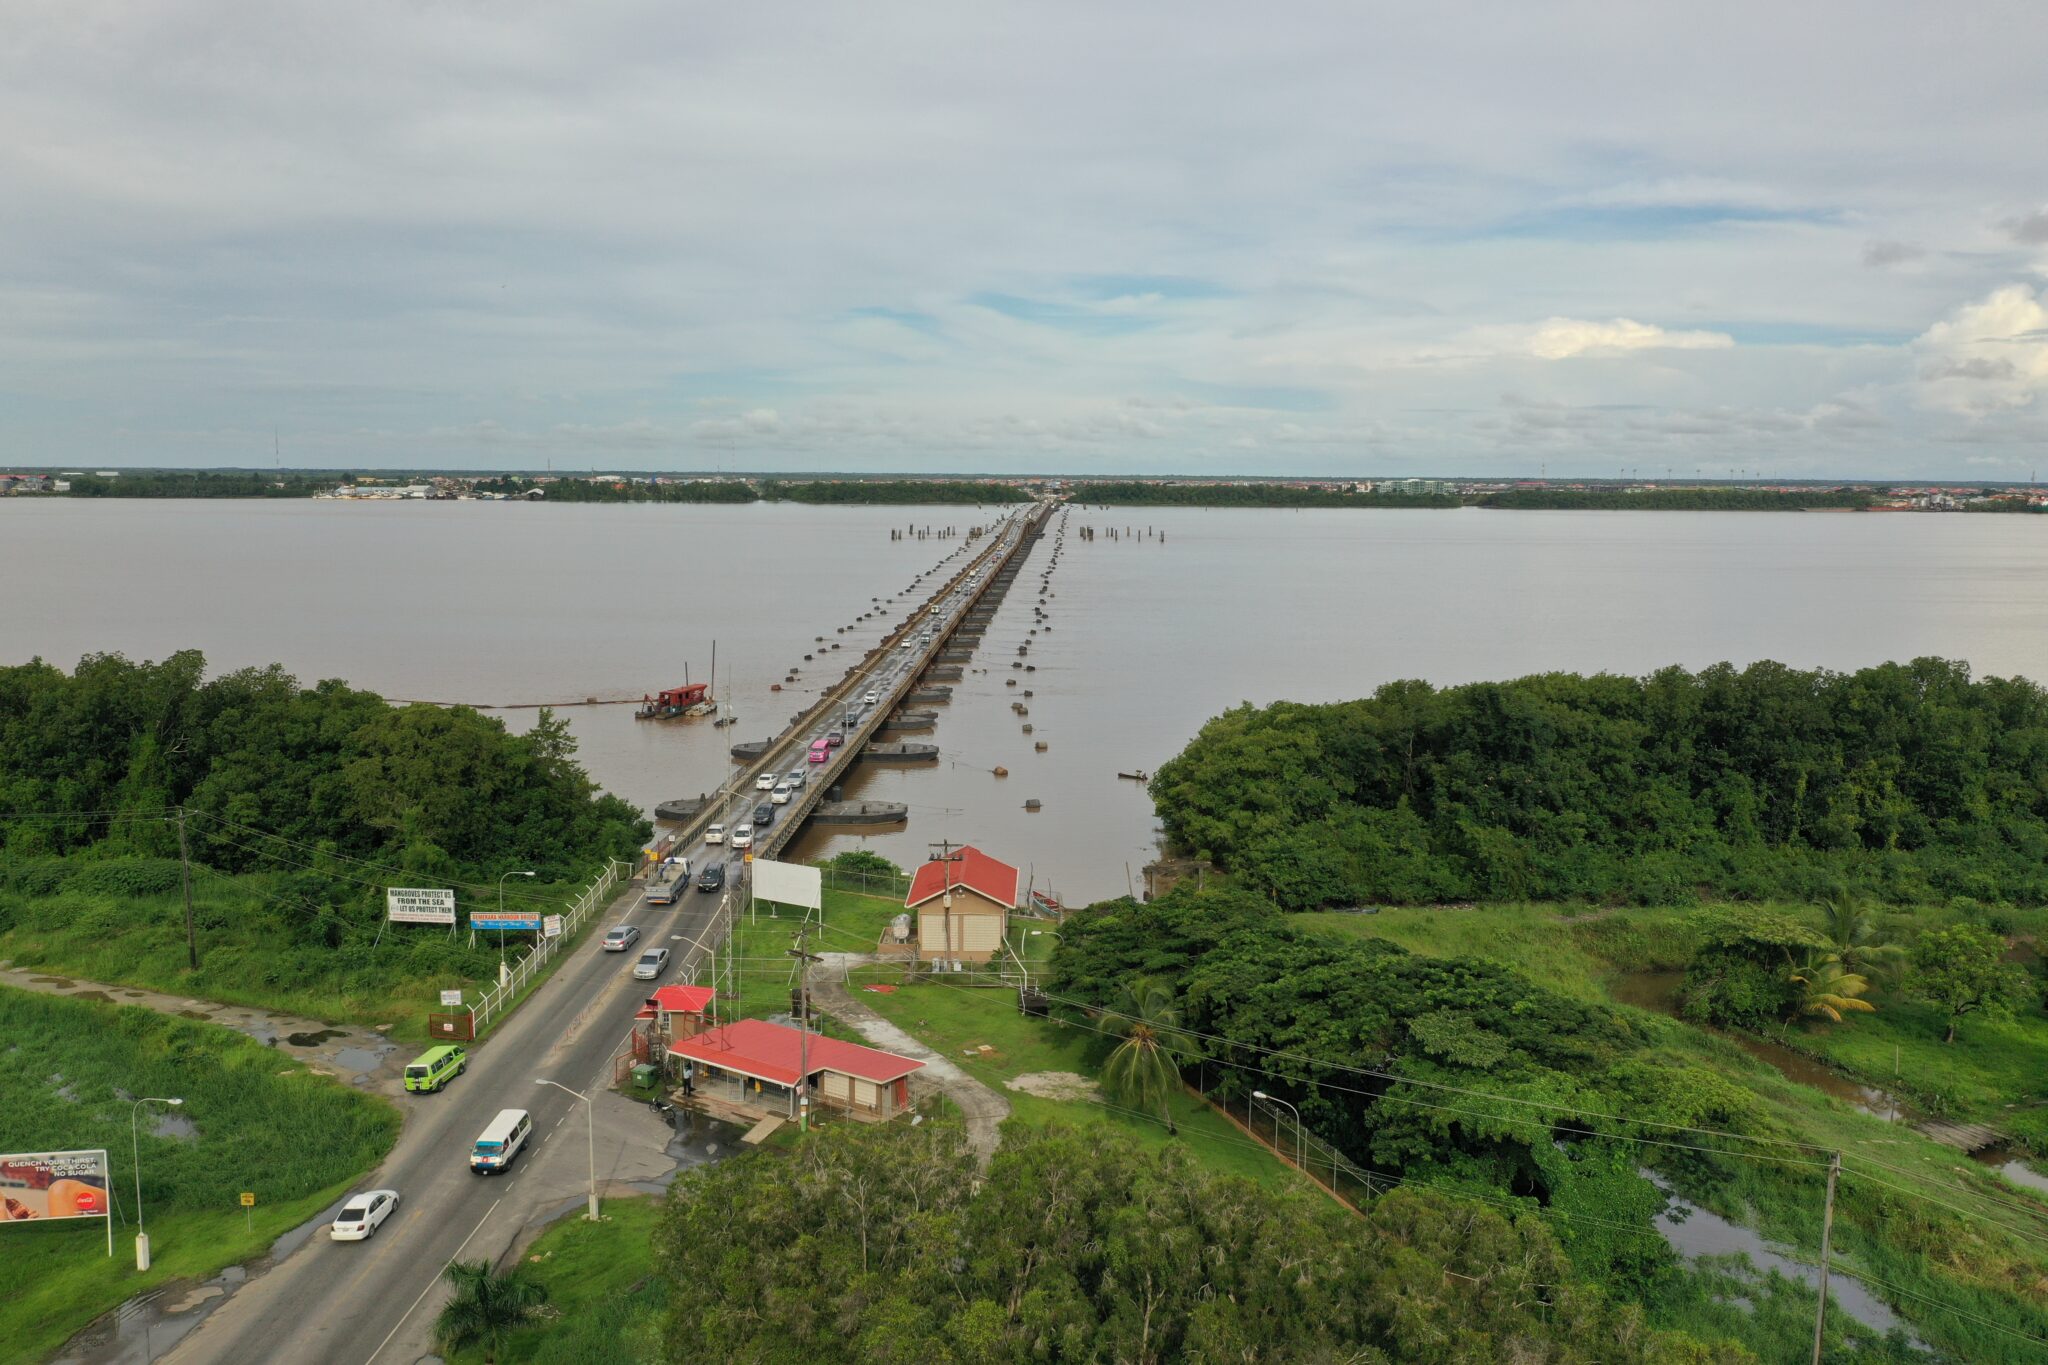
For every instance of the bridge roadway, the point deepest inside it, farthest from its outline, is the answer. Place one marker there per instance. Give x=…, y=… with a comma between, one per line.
x=374, y=1302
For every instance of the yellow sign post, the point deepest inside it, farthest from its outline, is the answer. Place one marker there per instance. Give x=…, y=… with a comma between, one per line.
x=249, y=1208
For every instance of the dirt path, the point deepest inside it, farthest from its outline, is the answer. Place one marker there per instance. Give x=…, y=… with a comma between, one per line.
x=984, y=1109
x=362, y=1057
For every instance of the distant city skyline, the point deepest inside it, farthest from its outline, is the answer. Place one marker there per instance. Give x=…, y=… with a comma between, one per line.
x=1327, y=241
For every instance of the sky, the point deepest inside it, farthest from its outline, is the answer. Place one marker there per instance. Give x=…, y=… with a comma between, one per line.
x=1568, y=238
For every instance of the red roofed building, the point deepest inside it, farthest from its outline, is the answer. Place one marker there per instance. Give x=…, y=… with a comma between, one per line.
x=756, y=1063
x=962, y=903
x=679, y=1011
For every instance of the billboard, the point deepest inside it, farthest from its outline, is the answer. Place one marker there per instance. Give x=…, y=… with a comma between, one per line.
x=525, y=921
x=788, y=884
x=552, y=926
x=419, y=905
x=35, y=1186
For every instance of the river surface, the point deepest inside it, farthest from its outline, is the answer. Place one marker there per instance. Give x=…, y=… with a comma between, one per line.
x=499, y=603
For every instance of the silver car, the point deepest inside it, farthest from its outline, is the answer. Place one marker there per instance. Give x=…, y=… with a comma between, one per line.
x=652, y=963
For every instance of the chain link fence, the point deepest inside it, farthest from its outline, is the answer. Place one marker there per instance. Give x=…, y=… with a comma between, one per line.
x=497, y=1001
x=1276, y=1125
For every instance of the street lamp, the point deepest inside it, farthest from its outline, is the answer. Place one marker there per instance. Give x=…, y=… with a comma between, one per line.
x=501, y=919
x=1275, y=1099
x=590, y=1134
x=135, y=1149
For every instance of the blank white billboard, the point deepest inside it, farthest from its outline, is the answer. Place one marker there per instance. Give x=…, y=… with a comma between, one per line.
x=789, y=884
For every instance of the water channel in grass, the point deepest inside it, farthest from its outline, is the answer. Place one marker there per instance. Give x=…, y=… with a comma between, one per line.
x=1658, y=991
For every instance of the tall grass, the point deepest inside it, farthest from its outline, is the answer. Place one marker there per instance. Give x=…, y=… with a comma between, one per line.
x=265, y=1124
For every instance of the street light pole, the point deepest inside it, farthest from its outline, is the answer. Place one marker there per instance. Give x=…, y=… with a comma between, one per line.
x=590, y=1137
x=1275, y=1099
x=501, y=920
x=135, y=1152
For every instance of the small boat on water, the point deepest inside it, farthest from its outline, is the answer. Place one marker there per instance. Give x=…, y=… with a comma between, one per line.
x=1137, y=775
x=691, y=699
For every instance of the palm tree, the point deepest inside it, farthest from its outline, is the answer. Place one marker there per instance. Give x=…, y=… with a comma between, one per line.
x=1826, y=988
x=1145, y=1067
x=485, y=1305
x=1859, y=941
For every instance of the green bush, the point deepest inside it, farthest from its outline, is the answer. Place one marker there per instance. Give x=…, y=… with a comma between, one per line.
x=127, y=877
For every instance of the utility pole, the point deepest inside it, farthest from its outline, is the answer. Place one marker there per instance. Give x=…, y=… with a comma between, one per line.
x=1827, y=1229
x=185, y=877
x=803, y=1026
x=947, y=856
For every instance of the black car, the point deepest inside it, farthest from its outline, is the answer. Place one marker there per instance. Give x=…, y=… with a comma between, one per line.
x=712, y=878
x=764, y=815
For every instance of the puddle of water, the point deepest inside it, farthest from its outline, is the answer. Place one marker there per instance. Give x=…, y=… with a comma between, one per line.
x=358, y=1059
x=1695, y=1232
x=1647, y=990
x=169, y=1124
x=200, y=1015
x=2008, y=1163
x=62, y=983
x=314, y=1039
x=101, y=996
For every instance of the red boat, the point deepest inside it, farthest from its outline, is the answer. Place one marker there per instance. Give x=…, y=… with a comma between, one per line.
x=674, y=701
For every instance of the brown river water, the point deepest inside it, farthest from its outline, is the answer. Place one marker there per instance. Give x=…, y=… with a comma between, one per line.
x=500, y=603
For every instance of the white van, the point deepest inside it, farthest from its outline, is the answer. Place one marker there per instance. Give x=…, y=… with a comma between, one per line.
x=498, y=1144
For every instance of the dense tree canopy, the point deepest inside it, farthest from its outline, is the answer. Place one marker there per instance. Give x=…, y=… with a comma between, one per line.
x=1680, y=499
x=1905, y=781
x=869, y=1244
x=443, y=789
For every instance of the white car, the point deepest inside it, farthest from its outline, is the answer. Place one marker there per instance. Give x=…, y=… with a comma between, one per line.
x=743, y=836
x=780, y=796
x=715, y=835
x=362, y=1215
x=871, y=698
x=765, y=782
x=652, y=963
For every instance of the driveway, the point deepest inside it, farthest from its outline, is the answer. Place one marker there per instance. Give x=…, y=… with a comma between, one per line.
x=984, y=1109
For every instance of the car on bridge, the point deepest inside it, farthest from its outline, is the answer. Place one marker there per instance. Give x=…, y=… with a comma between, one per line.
x=834, y=738
x=652, y=963
x=796, y=777
x=764, y=815
x=712, y=878
x=743, y=836
x=872, y=697
x=765, y=782
x=620, y=937
x=715, y=835
x=780, y=796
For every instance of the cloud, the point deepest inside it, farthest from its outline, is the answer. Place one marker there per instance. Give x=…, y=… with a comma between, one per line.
x=1878, y=255
x=1987, y=356
x=2029, y=229
x=1563, y=338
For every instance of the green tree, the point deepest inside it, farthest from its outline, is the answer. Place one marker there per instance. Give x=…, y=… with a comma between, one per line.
x=1144, y=1069
x=1962, y=970
x=1826, y=989
x=1860, y=942
x=486, y=1306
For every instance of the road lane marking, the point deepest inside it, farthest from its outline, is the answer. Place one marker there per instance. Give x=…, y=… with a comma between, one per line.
x=431, y=1283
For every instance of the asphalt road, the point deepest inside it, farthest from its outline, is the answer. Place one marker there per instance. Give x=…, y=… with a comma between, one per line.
x=359, y=1303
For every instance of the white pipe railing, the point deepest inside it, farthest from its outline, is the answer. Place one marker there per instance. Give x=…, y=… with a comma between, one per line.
x=497, y=1000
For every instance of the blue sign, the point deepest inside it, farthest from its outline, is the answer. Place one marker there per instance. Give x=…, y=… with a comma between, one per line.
x=511, y=919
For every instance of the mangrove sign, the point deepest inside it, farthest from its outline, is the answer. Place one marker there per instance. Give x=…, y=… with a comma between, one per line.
x=524, y=921
x=419, y=905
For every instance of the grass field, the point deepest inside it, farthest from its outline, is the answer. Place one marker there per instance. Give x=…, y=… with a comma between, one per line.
x=264, y=1124
x=851, y=924
x=604, y=1302
x=954, y=1019
x=255, y=949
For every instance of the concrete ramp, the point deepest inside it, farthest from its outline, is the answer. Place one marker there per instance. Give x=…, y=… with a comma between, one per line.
x=761, y=1131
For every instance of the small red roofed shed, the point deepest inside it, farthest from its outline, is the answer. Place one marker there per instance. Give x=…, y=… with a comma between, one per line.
x=962, y=901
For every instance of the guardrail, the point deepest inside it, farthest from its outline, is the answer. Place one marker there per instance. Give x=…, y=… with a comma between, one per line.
x=497, y=1001
x=792, y=817
x=835, y=695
